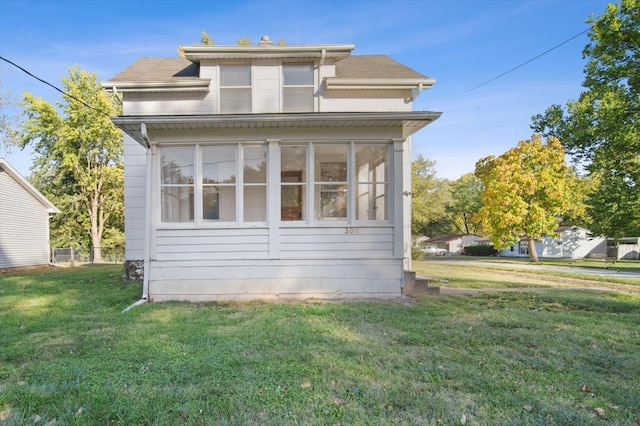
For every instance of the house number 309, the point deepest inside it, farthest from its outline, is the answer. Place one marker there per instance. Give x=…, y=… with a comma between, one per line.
x=350, y=230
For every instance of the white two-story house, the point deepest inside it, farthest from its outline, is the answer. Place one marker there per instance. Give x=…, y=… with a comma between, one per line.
x=261, y=172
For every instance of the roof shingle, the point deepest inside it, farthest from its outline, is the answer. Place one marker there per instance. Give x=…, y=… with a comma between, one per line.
x=158, y=69
x=373, y=66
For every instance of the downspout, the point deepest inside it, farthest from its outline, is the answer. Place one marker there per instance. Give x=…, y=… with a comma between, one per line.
x=415, y=92
x=147, y=232
x=322, y=57
x=115, y=92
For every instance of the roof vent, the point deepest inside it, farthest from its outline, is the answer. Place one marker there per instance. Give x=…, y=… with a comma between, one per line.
x=265, y=42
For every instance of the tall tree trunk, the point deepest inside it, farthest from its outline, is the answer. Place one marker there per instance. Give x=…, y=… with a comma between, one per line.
x=533, y=254
x=96, y=234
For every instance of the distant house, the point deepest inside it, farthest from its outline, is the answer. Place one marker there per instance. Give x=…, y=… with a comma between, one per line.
x=24, y=221
x=573, y=242
x=454, y=244
x=627, y=248
x=269, y=171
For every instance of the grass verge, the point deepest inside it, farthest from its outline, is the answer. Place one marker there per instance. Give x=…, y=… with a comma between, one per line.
x=492, y=274
x=548, y=357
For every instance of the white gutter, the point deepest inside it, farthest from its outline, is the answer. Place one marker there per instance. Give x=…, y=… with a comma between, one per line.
x=193, y=84
x=147, y=232
x=377, y=83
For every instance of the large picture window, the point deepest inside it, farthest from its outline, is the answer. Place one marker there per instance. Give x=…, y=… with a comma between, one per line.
x=210, y=191
x=235, y=89
x=297, y=88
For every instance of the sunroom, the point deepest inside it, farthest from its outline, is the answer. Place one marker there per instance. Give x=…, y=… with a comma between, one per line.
x=275, y=206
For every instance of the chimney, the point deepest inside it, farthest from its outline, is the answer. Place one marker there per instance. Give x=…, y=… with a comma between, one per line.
x=265, y=42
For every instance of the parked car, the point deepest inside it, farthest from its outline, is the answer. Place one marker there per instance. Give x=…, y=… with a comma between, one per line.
x=434, y=251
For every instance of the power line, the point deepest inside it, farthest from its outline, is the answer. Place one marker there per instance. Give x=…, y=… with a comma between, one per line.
x=525, y=63
x=56, y=88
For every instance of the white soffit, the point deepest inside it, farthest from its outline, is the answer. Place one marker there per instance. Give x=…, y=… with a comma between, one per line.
x=410, y=122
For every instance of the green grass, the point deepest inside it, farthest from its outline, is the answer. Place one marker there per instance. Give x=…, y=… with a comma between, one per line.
x=622, y=265
x=68, y=354
x=490, y=273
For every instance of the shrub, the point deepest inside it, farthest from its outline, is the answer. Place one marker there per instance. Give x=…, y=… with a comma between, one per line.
x=480, y=250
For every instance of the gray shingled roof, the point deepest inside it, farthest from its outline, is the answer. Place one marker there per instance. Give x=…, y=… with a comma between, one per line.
x=166, y=69
x=373, y=66
x=158, y=69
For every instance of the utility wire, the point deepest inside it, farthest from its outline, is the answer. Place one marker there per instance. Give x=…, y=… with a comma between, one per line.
x=530, y=60
x=56, y=88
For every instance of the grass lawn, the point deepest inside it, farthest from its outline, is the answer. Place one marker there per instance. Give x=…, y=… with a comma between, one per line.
x=494, y=273
x=69, y=356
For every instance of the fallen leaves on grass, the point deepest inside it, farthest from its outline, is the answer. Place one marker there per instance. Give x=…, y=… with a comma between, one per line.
x=339, y=402
x=528, y=408
x=600, y=412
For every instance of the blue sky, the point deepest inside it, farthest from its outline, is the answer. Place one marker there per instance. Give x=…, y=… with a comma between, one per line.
x=461, y=43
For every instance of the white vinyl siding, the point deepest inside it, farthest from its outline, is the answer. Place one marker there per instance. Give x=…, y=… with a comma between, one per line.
x=284, y=279
x=24, y=226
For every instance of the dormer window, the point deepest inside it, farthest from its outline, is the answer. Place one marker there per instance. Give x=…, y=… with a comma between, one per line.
x=297, y=88
x=235, y=89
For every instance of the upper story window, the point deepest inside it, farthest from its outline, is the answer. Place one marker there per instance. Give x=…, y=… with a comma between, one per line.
x=235, y=89
x=297, y=88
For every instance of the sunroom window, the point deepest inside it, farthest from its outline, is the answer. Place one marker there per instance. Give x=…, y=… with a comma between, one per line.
x=210, y=192
x=177, y=184
x=219, y=183
x=293, y=177
x=331, y=187
x=255, y=183
x=235, y=89
x=297, y=88
x=371, y=182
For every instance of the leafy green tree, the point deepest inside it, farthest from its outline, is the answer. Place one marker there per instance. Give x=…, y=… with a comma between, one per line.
x=78, y=160
x=465, y=202
x=430, y=195
x=601, y=130
x=526, y=190
x=205, y=40
x=7, y=123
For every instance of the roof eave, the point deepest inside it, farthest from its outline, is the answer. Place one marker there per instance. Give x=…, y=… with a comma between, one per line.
x=335, y=51
x=51, y=209
x=411, y=121
x=378, y=83
x=190, y=85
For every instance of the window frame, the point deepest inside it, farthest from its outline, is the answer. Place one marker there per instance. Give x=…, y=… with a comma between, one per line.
x=309, y=209
x=198, y=185
x=222, y=88
x=285, y=86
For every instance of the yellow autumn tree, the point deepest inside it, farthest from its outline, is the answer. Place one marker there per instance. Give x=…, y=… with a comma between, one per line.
x=526, y=190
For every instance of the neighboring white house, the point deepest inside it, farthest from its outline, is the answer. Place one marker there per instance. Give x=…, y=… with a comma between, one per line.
x=269, y=171
x=573, y=242
x=24, y=221
x=454, y=244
